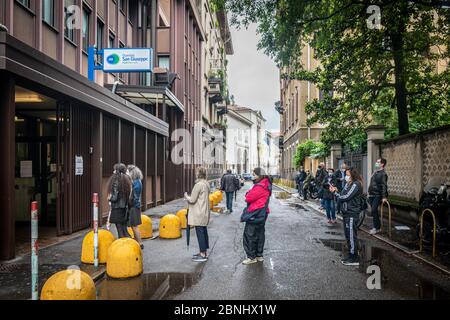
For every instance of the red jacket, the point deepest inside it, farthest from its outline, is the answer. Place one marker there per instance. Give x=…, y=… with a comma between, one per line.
x=257, y=196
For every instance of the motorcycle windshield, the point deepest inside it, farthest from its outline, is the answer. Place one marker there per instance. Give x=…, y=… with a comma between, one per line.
x=434, y=183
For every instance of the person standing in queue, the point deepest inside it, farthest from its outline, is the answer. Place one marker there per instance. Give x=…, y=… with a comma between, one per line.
x=257, y=199
x=321, y=173
x=119, y=192
x=328, y=196
x=350, y=201
x=378, y=193
x=229, y=184
x=299, y=180
x=135, y=207
x=199, y=214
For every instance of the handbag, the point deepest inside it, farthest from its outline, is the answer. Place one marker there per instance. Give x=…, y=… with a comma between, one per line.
x=257, y=216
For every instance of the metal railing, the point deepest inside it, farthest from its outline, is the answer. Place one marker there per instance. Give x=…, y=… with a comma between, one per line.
x=421, y=230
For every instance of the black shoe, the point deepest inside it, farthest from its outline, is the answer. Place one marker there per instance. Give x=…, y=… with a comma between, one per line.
x=351, y=261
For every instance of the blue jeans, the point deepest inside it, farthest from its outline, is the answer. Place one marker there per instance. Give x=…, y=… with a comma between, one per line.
x=330, y=208
x=229, y=196
x=202, y=237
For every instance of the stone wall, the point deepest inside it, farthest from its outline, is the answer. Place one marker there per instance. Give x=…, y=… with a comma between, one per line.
x=413, y=159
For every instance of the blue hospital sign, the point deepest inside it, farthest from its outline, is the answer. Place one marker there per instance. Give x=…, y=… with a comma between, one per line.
x=127, y=60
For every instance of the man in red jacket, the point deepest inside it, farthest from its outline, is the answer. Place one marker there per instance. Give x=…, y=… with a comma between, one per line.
x=257, y=198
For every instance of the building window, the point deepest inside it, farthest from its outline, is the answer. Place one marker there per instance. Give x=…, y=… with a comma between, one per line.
x=164, y=62
x=111, y=40
x=100, y=34
x=48, y=11
x=164, y=13
x=85, y=29
x=69, y=31
x=122, y=5
x=25, y=3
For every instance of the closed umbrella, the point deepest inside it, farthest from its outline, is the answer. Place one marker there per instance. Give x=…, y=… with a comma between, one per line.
x=188, y=230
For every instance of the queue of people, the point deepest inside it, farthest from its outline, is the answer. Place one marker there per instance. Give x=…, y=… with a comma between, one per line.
x=124, y=196
x=342, y=192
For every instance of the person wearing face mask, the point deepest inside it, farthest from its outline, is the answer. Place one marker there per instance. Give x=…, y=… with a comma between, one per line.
x=255, y=216
x=328, y=196
x=350, y=200
x=321, y=173
x=377, y=193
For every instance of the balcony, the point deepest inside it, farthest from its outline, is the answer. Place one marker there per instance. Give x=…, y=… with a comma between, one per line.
x=279, y=108
x=280, y=142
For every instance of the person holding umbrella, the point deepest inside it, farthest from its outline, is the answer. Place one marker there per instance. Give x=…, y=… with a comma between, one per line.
x=198, y=213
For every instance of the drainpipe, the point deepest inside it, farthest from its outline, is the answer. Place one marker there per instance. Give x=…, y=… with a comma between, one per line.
x=3, y=28
x=114, y=88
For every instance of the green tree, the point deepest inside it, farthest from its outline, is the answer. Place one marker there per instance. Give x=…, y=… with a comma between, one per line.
x=385, y=73
x=309, y=148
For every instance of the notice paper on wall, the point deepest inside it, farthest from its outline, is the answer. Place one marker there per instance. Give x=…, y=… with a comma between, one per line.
x=26, y=169
x=78, y=165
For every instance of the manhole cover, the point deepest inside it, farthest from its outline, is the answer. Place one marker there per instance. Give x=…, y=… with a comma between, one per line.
x=7, y=268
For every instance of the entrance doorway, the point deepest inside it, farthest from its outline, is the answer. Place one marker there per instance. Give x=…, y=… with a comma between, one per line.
x=35, y=166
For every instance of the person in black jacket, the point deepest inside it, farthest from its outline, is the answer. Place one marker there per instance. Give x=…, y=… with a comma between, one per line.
x=321, y=173
x=119, y=194
x=377, y=193
x=328, y=196
x=350, y=201
x=299, y=179
x=230, y=184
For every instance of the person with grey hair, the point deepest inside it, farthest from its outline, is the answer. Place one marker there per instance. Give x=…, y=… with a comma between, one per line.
x=198, y=216
x=135, y=207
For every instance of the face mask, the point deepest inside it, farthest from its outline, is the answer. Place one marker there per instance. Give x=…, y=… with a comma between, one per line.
x=330, y=174
x=347, y=178
x=377, y=165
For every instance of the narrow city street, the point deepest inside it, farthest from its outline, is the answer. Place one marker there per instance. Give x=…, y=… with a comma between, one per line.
x=302, y=261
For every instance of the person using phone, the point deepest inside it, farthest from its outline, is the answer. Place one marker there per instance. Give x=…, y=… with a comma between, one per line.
x=328, y=196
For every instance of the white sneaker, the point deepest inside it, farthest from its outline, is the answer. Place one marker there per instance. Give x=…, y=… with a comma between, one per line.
x=260, y=259
x=249, y=261
x=374, y=231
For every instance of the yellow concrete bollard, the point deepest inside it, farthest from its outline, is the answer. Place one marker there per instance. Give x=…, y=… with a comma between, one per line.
x=146, y=228
x=170, y=227
x=124, y=259
x=105, y=239
x=181, y=214
x=71, y=284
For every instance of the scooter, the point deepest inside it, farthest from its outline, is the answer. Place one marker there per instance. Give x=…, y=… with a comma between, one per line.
x=436, y=197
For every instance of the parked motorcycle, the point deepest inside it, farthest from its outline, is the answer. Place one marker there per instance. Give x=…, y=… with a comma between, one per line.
x=436, y=197
x=312, y=190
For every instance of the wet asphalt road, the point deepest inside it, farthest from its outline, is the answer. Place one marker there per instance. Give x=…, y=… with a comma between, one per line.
x=302, y=261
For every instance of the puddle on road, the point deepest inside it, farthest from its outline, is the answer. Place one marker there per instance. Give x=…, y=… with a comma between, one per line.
x=151, y=286
x=298, y=206
x=395, y=276
x=282, y=195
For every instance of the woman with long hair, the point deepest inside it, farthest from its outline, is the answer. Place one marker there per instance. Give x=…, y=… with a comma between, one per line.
x=134, y=211
x=350, y=203
x=119, y=192
x=199, y=215
x=257, y=199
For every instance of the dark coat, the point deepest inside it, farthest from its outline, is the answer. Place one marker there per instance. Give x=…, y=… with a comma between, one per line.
x=300, y=177
x=229, y=183
x=320, y=175
x=378, y=184
x=349, y=199
x=327, y=194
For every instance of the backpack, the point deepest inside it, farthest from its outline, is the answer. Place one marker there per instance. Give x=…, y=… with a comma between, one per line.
x=363, y=202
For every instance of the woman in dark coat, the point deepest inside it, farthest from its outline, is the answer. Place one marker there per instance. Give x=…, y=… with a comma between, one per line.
x=135, y=207
x=119, y=192
x=328, y=196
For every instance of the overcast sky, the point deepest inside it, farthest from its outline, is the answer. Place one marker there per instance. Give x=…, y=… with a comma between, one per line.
x=253, y=77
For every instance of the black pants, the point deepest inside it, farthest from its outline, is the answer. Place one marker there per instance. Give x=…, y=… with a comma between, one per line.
x=254, y=238
x=202, y=237
x=122, y=231
x=229, y=196
x=375, y=202
x=351, y=234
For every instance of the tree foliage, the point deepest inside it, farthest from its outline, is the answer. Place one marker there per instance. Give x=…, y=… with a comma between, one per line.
x=386, y=75
x=309, y=148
